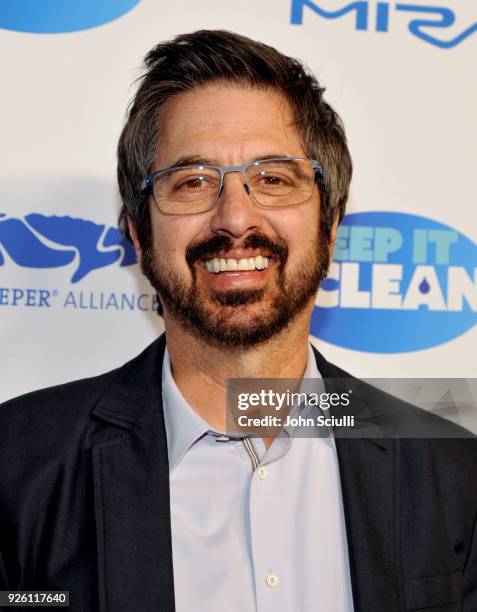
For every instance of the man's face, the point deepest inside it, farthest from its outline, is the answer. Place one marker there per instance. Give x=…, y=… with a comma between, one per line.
x=230, y=125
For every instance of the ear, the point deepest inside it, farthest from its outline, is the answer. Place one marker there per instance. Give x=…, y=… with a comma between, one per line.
x=134, y=238
x=332, y=241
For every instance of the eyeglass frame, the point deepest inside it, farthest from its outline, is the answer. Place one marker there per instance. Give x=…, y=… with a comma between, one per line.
x=147, y=185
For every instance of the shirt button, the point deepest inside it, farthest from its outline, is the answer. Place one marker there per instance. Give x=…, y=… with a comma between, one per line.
x=271, y=580
x=262, y=473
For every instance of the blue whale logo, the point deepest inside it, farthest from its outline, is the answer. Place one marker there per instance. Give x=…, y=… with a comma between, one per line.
x=55, y=16
x=40, y=241
x=398, y=283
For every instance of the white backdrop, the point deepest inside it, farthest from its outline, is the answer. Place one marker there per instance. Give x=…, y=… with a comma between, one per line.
x=408, y=105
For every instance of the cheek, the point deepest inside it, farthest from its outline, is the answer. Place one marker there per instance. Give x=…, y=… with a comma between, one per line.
x=170, y=251
x=165, y=247
x=171, y=239
x=300, y=231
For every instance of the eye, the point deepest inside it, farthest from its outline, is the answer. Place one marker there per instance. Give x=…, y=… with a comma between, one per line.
x=272, y=180
x=195, y=183
x=192, y=183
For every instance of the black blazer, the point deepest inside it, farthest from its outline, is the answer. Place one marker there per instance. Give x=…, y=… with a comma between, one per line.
x=84, y=500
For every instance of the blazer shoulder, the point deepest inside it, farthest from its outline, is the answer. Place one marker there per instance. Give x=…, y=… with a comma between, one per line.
x=64, y=402
x=401, y=419
x=73, y=399
x=64, y=410
x=61, y=411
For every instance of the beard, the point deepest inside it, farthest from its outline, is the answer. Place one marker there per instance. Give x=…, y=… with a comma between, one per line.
x=212, y=318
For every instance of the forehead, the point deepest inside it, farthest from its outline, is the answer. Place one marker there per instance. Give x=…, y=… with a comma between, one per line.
x=227, y=124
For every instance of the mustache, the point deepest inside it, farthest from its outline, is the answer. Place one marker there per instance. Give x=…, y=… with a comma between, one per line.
x=217, y=244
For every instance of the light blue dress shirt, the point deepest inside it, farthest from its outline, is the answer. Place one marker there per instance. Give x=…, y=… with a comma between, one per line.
x=253, y=529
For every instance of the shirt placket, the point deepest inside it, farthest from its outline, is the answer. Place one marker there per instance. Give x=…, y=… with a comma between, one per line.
x=269, y=557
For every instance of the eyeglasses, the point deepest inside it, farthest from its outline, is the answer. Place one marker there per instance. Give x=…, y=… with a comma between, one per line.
x=273, y=183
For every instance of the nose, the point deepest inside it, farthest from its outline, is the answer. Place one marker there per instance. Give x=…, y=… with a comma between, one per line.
x=235, y=213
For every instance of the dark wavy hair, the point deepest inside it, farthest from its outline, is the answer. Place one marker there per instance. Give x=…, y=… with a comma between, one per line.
x=214, y=56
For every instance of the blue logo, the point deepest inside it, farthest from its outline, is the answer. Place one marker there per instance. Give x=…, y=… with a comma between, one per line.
x=39, y=241
x=398, y=283
x=428, y=18
x=54, y=16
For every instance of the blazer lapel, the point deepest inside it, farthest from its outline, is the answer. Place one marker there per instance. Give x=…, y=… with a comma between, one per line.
x=369, y=484
x=131, y=480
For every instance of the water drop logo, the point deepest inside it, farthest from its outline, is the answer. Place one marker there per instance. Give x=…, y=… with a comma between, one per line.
x=398, y=283
x=424, y=287
x=55, y=16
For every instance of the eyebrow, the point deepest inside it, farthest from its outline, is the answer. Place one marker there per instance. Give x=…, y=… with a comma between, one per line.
x=196, y=160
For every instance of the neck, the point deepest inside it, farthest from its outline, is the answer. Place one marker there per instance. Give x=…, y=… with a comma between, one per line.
x=201, y=371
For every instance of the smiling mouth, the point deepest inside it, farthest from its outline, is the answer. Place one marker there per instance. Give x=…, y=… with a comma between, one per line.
x=215, y=265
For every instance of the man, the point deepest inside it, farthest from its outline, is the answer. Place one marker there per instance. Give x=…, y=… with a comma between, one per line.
x=127, y=489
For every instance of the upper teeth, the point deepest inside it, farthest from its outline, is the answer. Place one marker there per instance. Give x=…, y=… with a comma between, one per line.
x=218, y=264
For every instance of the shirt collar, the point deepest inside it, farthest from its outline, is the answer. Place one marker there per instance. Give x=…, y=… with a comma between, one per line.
x=311, y=370
x=183, y=425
